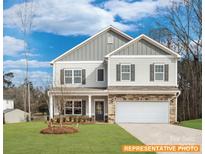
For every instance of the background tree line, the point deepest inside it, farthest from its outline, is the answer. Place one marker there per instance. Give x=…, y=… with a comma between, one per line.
x=181, y=31
x=38, y=95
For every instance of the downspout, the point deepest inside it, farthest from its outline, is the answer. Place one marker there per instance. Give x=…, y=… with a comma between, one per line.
x=175, y=97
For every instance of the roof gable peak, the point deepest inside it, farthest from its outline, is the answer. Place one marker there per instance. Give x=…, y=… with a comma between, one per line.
x=110, y=27
x=150, y=40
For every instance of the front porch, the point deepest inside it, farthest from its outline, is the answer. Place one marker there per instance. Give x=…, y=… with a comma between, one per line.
x=79, y=102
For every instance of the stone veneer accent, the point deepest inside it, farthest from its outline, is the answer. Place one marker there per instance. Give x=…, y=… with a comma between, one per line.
x=114, y=98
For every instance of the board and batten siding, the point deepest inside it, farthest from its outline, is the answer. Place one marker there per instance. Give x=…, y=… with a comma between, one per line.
x=90, y=69
x=142, y=71
x=96, y=48
x=141, y=47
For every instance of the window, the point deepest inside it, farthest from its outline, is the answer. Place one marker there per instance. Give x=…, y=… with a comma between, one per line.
x=100, y=74
x=77, y=107
x=68, y=107
x=125, y=72
x=68, y=76
x=110, y=39
x=77, y=76
x=72, y=76
x=73, y=107
x=159, y=72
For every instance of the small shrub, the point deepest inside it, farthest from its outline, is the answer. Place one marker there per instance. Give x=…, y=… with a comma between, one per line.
x=72, y=119
x=58, y=120
x=67, y=119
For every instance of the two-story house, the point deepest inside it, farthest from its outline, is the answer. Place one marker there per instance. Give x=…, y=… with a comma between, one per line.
x=113, y=76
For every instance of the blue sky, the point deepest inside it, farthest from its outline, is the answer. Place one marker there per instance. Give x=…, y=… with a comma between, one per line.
x=57, y=27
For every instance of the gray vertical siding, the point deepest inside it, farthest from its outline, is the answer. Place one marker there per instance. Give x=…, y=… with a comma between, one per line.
x=141, y=47
x=96, y=48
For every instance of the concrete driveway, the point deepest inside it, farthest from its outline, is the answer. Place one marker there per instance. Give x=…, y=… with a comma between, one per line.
x=164, y=134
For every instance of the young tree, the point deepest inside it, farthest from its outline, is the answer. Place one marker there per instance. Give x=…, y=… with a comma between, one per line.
x=60, y=100
x=25, y=13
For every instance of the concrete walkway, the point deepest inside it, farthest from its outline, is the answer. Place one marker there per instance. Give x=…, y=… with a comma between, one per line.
x=164, y=134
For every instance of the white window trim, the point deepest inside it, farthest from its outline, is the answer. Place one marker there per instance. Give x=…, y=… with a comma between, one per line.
x=97, y=74
x=125, y=72
x=72, y=76
x=158, y=72
x=73, y=100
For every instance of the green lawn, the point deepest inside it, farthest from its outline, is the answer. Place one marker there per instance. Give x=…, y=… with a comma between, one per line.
x=197, y=123
x=24, y=138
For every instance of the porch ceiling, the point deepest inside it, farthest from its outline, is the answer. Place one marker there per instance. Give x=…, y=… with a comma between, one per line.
x=114, y=90
x=78, y=90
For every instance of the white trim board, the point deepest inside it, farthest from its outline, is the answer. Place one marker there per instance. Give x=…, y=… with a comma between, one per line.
x=82, y=43
x=79, y=62
x=140, y=56
x=141, y=92
x=142, y=36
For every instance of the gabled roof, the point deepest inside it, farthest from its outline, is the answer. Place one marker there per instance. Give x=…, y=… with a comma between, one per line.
x=150, y=40
x=84, y=42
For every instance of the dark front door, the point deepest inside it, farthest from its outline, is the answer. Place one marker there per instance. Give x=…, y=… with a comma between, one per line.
x=99, y=110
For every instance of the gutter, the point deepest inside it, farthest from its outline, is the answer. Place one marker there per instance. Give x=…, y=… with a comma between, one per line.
x=176, y=96
x=141, y=92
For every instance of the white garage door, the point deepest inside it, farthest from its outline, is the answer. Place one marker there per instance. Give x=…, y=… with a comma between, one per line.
x=142, y=112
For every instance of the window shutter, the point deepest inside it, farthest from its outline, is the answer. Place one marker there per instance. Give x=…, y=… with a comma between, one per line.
x=166, y=72
x=83, y=107
x=62, y=76
x=132, y=72
x=83, y=76
x=151, y=72
x=118, y=72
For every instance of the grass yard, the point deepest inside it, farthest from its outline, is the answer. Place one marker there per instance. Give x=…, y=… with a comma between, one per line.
x=24, y=138
x=197, y=123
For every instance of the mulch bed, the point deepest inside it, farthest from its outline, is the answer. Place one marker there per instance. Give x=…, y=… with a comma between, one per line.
x=70, y=123
x=59, y=130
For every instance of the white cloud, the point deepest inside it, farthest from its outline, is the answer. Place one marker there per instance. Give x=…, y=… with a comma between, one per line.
x=21, y=64
x=38, y=78
x=12, y=46
x=65, y=17
x=132, y=11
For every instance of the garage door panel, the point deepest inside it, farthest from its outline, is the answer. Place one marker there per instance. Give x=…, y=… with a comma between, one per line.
x=142, y=112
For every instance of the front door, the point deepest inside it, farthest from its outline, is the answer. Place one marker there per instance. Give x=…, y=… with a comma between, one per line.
x=99, y=110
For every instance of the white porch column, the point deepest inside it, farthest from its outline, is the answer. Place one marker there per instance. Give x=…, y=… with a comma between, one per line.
x=89, y=106
x=50, y=106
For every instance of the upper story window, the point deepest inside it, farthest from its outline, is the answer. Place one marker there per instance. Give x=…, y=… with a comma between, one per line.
x=159, y=72
x=72, y=76
x=110, y=39
x=100, y=74
x=125, y=72
x=77, y=76
x=68, y=76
